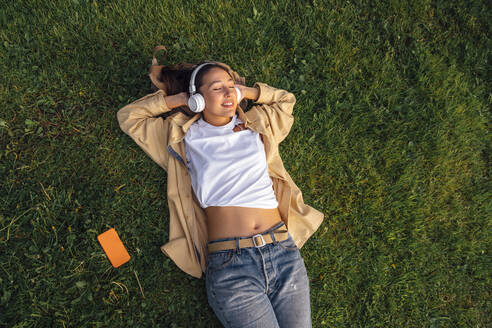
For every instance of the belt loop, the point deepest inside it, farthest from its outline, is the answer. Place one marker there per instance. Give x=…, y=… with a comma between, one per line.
x=273, y=238
x=238, y=249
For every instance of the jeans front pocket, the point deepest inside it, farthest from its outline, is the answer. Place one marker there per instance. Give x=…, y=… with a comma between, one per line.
x=220, y=259
x=288, y=244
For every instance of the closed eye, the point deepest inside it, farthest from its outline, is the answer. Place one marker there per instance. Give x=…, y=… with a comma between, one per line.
x=229, y=88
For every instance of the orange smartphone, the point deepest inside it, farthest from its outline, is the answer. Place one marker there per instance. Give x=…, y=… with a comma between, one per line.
x=113, y=247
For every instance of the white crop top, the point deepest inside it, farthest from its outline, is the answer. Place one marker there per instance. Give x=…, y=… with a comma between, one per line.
x=228, y=168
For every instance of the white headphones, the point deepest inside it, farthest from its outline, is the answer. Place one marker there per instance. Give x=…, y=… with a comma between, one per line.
x=196, y=102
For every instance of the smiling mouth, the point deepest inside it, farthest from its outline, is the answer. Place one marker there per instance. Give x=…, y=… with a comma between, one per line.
x=227, y=105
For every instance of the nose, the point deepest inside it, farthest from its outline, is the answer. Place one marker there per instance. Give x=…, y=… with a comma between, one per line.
x=229, y=92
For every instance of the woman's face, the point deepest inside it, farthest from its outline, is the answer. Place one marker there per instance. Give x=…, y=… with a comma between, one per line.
x=220, y=96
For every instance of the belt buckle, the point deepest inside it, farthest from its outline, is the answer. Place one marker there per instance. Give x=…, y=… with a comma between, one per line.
x=254, y=240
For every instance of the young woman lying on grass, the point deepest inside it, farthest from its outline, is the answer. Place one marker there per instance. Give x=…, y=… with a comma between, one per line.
x=235, y=213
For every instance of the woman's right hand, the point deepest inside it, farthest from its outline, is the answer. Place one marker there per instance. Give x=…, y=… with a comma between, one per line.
x=177, y=100
x=184, y=96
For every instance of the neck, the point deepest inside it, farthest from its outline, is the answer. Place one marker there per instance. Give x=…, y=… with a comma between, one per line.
x=217, y=120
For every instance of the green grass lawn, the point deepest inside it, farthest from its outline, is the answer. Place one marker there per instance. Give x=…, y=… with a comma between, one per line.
x=391, y=141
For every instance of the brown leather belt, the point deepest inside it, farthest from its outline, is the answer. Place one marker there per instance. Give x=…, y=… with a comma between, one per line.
x=257, y=241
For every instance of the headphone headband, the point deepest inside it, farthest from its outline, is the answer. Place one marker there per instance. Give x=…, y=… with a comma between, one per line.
x=192, y=79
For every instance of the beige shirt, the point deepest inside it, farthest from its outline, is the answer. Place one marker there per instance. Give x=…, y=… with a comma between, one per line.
x=163, y=140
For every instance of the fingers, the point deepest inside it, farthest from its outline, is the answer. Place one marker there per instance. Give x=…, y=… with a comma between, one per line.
x=239, y=93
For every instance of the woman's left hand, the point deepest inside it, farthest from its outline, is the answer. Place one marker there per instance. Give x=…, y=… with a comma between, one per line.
x=240, y=89
x=247, y=92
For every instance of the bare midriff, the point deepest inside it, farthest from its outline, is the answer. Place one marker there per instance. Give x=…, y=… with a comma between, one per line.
x=237, y=221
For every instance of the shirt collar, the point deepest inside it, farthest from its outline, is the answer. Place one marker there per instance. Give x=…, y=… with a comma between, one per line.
x=240, y=113
x=202, y=123
x=185, y=122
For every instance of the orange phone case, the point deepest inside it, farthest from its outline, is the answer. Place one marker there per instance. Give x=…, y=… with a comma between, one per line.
x=113, y=247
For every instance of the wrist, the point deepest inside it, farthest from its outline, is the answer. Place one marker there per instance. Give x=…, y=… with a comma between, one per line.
x=177, y=100
x=251, y=93
x=184, y=98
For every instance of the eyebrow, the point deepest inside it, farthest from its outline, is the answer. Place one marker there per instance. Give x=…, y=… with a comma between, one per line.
x=219, y=81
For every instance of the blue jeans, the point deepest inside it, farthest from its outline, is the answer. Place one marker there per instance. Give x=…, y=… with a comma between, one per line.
x=259, y=287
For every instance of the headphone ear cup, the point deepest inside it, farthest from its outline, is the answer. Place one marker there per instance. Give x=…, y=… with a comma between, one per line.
x=196, y=103
x=239, y=95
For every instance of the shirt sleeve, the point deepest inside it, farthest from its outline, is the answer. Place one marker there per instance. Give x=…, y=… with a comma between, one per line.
x=276, y=106
x=151, y=133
